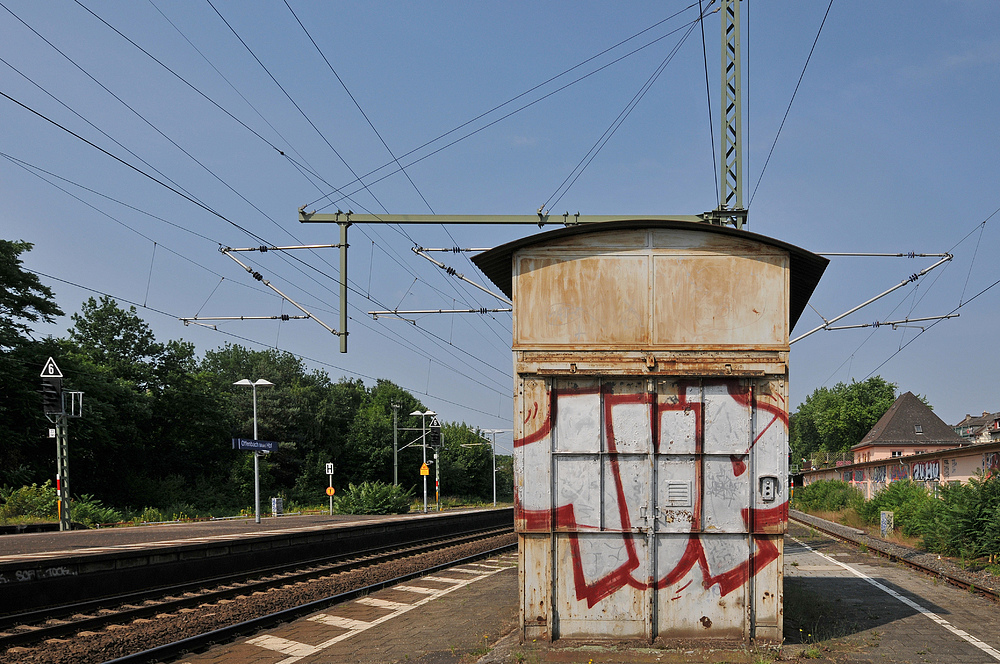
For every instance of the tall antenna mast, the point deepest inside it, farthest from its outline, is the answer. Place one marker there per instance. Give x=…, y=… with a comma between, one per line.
x=731, y=210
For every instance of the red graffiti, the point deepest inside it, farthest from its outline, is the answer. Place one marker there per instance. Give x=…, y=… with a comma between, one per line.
x=564, y=518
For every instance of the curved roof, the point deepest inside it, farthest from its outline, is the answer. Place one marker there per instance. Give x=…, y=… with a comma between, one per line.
x=806, y=267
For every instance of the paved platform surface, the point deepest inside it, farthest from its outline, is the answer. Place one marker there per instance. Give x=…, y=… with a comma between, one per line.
x=77, y=542
x=448, y=617
x=840, y=606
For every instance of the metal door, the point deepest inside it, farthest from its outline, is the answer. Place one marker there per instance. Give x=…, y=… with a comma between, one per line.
x=655, y=489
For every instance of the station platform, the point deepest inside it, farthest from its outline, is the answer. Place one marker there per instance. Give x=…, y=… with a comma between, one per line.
x=41, y=569
x=93, y=541
x=468, y=615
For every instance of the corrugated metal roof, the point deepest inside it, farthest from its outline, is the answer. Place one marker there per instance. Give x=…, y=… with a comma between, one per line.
x=806, y=267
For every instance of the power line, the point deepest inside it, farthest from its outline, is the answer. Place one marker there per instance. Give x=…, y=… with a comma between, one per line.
x=708, y=94
x=515, y=98
x=794, y=92
x=622, y=116
x=255, y=342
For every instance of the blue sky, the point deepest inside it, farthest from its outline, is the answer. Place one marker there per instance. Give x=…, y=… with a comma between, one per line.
x=890, y=146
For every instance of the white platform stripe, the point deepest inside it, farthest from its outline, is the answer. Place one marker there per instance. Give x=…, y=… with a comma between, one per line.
x=354, y=627
x=381, y=603
x=416, y=589
x=989, y=650
x=443, y=579
x=284, y=646
x=339, y=621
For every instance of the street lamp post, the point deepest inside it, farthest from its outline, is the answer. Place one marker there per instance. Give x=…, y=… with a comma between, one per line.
x=260, y=382
x=423, y=445
x=395, y=443
x=493, y=448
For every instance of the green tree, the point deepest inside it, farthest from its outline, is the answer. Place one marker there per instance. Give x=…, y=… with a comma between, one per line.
x=118, y=341
x=26, y=455
x=23, y=298
x=466, y=462
x=833, y=420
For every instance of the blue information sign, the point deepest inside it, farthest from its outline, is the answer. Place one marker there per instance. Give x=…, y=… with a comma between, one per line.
x=255, y=445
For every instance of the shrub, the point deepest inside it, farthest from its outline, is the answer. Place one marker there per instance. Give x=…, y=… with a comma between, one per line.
x=89, y=511
x=909, y=502
x=40, y=502
x=373, y=498
x=828, y=495
x=966, y=521
x=29, y=502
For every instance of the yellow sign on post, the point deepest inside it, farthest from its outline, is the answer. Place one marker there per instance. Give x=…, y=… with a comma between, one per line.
x=425, y=470
x=330, y=491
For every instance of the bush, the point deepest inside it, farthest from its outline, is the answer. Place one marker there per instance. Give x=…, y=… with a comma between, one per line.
x=910, y=503
x=29, y=502
x=827, y=495
x=966, y=521
x=41, y=503
x=373, y=498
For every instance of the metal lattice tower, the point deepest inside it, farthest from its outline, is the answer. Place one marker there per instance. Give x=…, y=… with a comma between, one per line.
x=731, y=210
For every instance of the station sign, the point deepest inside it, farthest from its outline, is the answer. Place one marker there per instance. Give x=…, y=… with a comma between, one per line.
x=255, y=445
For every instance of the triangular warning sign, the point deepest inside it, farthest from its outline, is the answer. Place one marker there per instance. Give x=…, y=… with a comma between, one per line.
x=51, y=369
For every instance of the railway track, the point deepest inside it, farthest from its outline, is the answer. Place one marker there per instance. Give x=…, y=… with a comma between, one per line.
x=269, y=597
x=925, y=563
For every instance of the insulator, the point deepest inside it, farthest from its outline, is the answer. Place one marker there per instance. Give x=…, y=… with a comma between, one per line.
x=263, y=249
x=258, y=276
x=876, y=324
x=284, y=316
x=912, y=255
x=914, y=277
x=450, y=271
x=456, y=250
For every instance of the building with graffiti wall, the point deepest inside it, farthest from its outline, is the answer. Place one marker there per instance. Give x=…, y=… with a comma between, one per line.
x=651, y=426
x=931, y=469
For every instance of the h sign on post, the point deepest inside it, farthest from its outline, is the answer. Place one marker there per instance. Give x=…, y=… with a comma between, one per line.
x=329, y=491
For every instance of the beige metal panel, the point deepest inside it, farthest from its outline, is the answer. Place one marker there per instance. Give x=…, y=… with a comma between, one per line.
x=624, y=239
x=582, y=301
x=533, y=570
x=768, y=594
x=720, y=300
x=728, y=362
x=692, y=242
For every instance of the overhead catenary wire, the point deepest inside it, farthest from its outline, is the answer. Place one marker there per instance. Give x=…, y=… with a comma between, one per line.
x=708, y=94
x=588, y=158
x=178, y=191
x=316, y=361
x=510, y=113
x=29, y=168
x=790, y=101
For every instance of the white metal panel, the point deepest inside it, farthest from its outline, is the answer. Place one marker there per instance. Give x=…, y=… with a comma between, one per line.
x=591, y=599
x=727, y=417
x=676, y=493
x=579, y=412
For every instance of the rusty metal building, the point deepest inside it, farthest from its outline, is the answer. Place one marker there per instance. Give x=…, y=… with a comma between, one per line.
x=651, y=420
